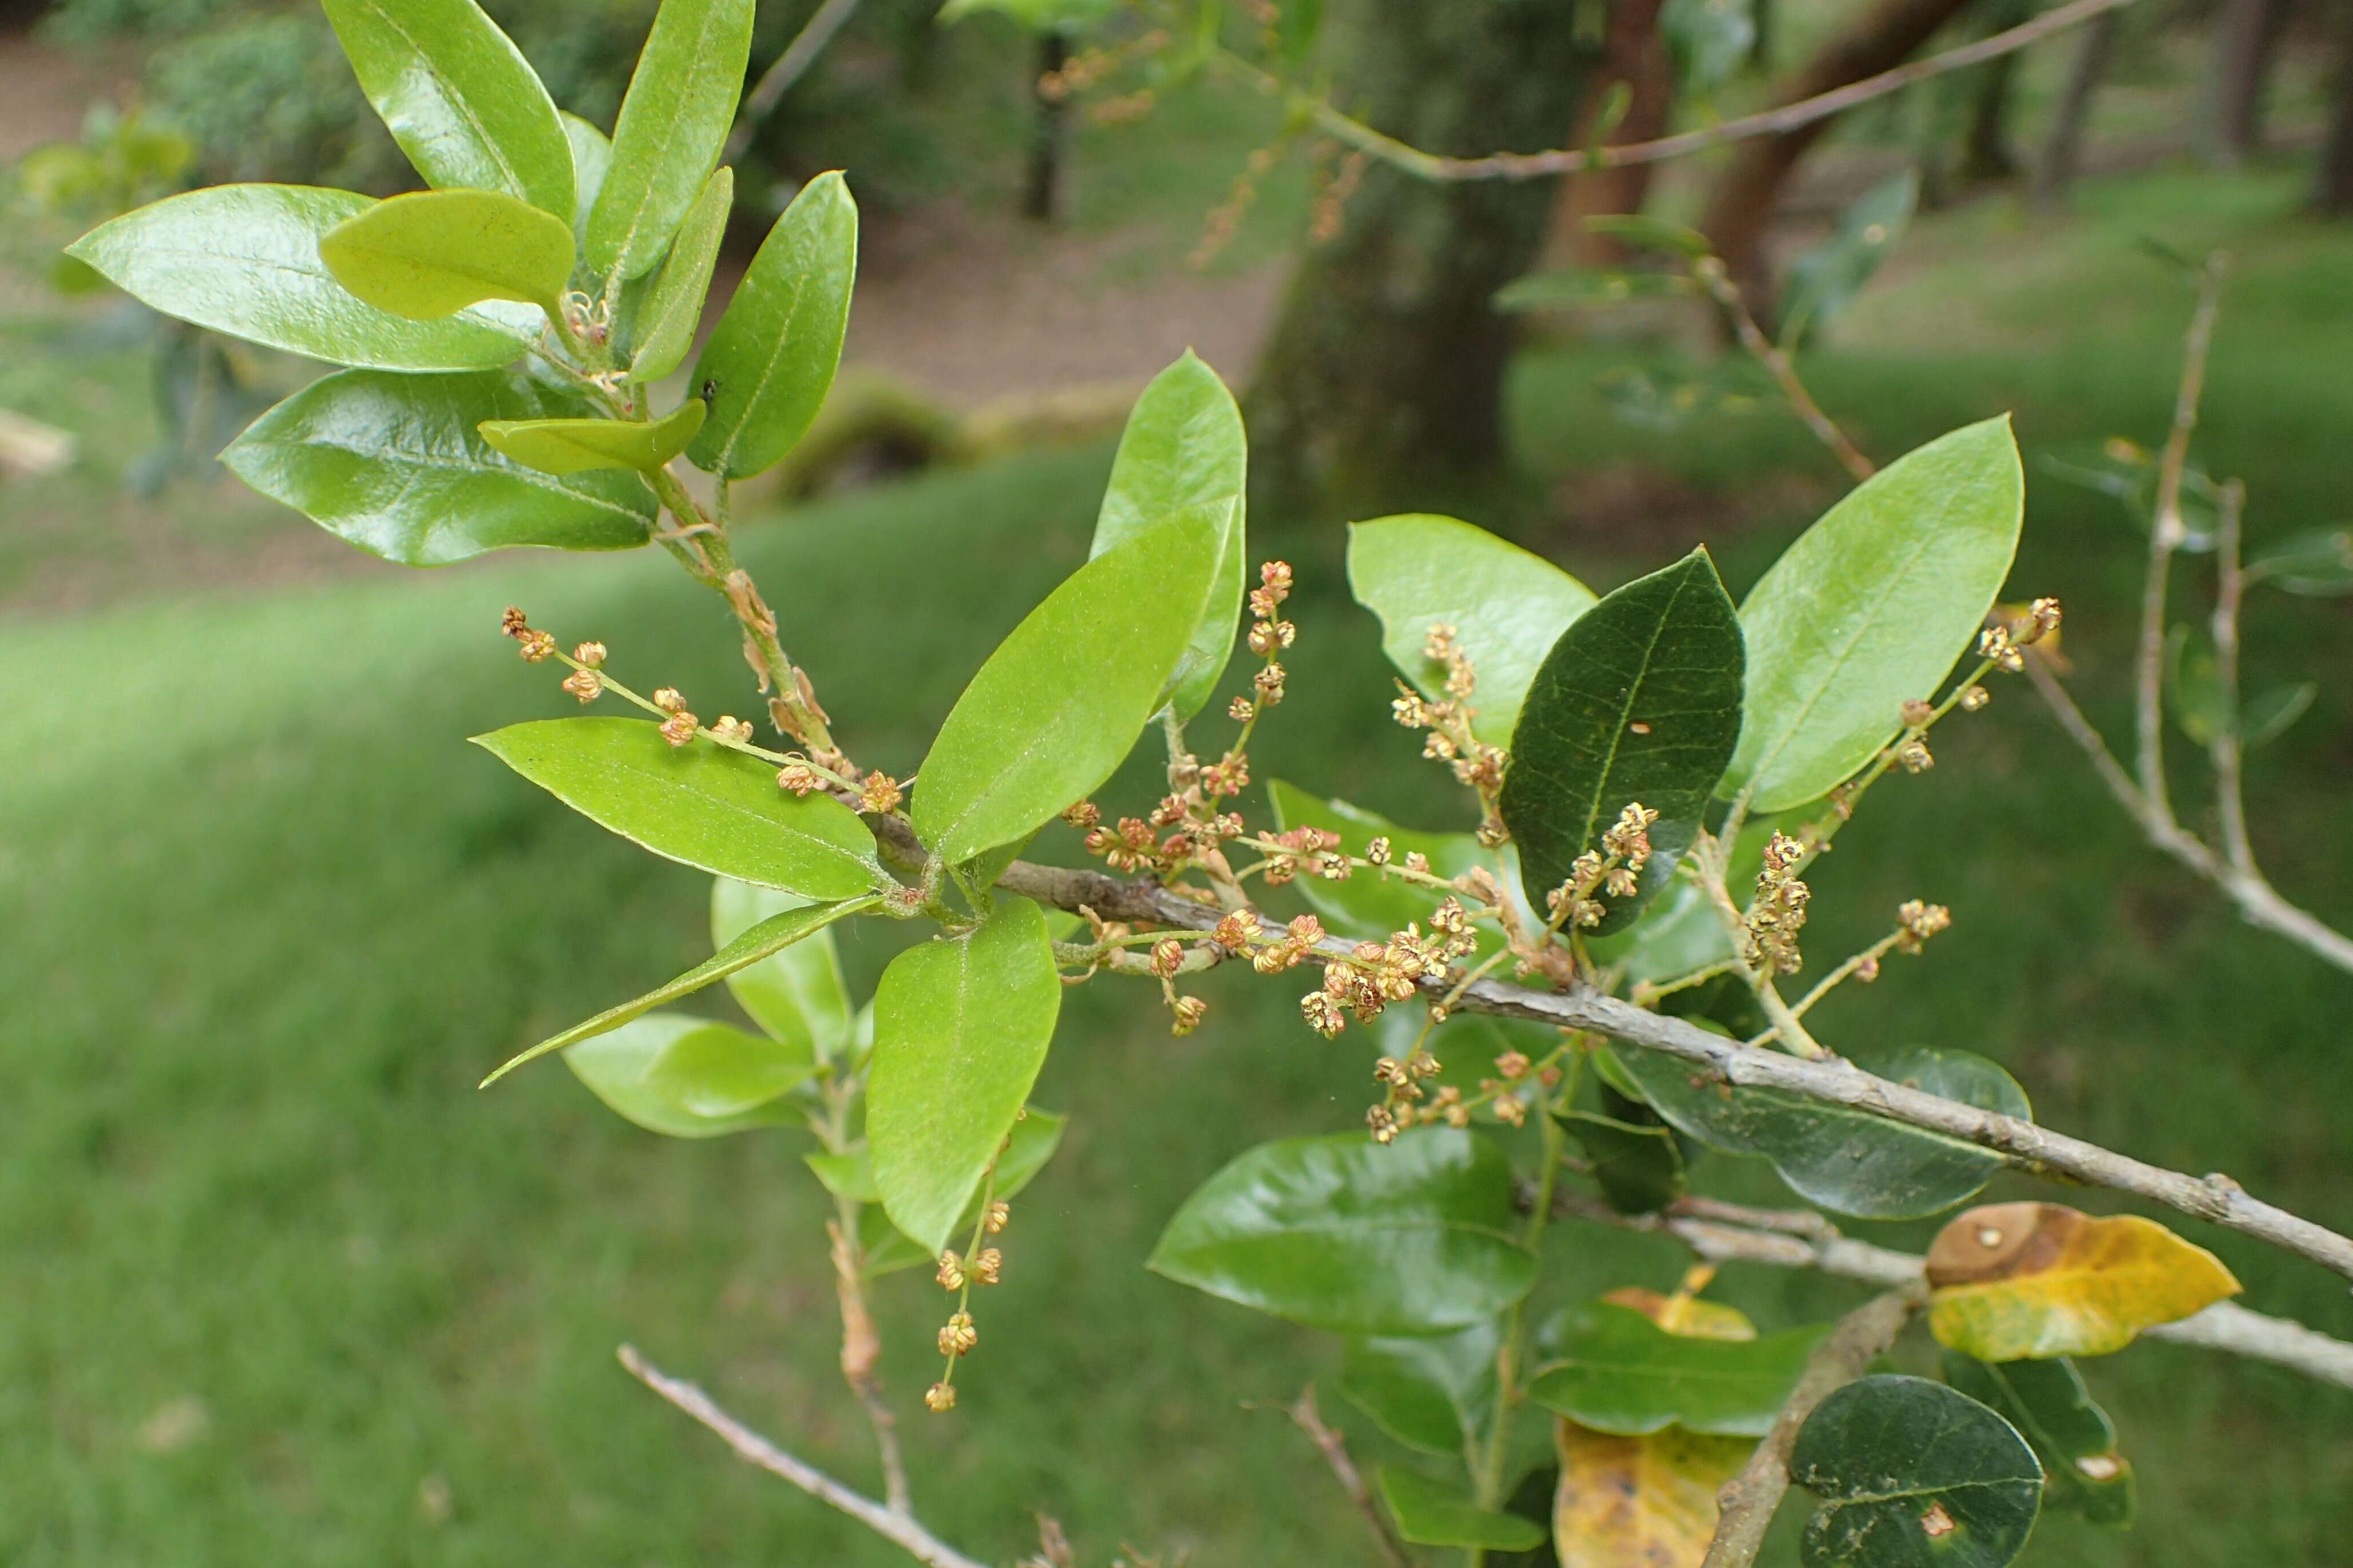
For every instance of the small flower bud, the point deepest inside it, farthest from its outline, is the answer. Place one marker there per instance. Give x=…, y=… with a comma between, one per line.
x=1917, y=711
x=1513, y=1066
x=798, y=777
x=1187, y=1013
x=988, y=1266
x=957, y=1336
x=585, y=684
x=669, y=701
x=1975, y=698
x=1085, y=814
x=1001, y=1214
x=537, y=646
x=591, y=654
x=1383, y=1123
x=950, y=1273
x=1912, y=756
x=679, y=729
x=880, y=793
x=939, y=1398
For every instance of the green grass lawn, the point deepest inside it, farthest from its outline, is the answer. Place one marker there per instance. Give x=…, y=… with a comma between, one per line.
x=282, y=1287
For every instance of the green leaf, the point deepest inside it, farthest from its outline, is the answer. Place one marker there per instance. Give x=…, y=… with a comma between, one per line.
x=1060, y=702
x=1911, y=1475
x=798, y=995
x=701, y=804
x=1431, y=1514
x=2269, y=714
x=888, y=1249
x=1038, y=16
x=1183, y=456
x=1710, y=39
x=1618, y=1372
x=584, y=446
x=1578, y=286
x=1824, y=280
x=1433, y=1392
x=592, y=155
x=430, y=254
x=2193, y=686
x=2070, y=1436
x=673, y=122
x=674, y=308
x=244, y=260
x=1642, y=232
x=1508, y=607
x=395, y=465
x=458, y=97
x=961, y=1027
x=690, y=1078
x=1367, y=905
x=771, y=935
x=1414, y=1238
x=772, y=356
x=2318, y=563
x=1297, y=26
x=1637, y=1162
x=1869, y=609
x=1638, y=702
x=1844, y=1159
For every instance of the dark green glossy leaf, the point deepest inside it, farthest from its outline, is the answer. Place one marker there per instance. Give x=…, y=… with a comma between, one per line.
x=690, y=1078
x=1431, y=1514
x=700, y=803
x=887, y=1248
x=1844, y=1159
x=1368, y=905
x=772, y=356
x=2072, y=1436
x=1060, y=702
x=1578, y=286
x=1508, y=607
x=244, y=260
x=673, y=122
x=397, y=465
x=1618, y=1372
x=430, y=254
x=592, y=155
x=1824, y=280
x=961, y=1027
x=1434, y=1391
x=1636, y=1160
x=1914, y=1475
x=673, y=309
x=1638, y=701
x=458, y=97
x=585, y=445
x=798, y=995
x=1183, y=456
x=1869, y=609
x=1414, y=1238
x=2319, y=562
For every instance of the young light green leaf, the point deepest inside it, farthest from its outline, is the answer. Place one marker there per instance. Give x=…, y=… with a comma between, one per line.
x=674, y=308
x=1344, y=1233
x=1869, y=610
x=458, y=97
x=2269, y=714
x=961, y=1027
x=2193, y=685
x=430, y=254
x=1641, y=232
x=798, y=995
x=673, y=122
x=1368, y=905
x=1183, y=456
x=1912, y=1474
x=2070, y=1434
x=1431, y=1514
x=1844, y=1159
x=1507, y=608
x=1638, y=703
x=2318, y=563
x=690, y=1078
x=1824, y=280
x=1616, y=1371
x=770, y=936
x=592, y=155
x=583, y=445
x=244, y=260
x=1433, y=1392
x=771, y=358
x=395, y=464
x=1060, y=702
x=701, y=804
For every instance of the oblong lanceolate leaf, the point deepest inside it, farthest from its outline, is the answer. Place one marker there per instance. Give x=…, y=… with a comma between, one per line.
x=1060, y=702
x=430, y=254
x=1913, y=1475
x=592, y=154
x=2047, y=1402
x=674, y=308
x=701, y=804
x=771, y=358
x=1507, y=607
x=2014, y=1281
x=1430, y=1513
x=244, y=260
x=1639, y=703
x=1342, y=1233
x=1869, y=609
x=395, y=465
x=1184, y=455
x=1433, y=1392
x=690, y=1078
x=1614, y=1369
x=583, y=445
x=1624, y=1501
x=673, y=122
x=798, y=995
x=458, y=97
x=1842, y=1158
x=961, y=1027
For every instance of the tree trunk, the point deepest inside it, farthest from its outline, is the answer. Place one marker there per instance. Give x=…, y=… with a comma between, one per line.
x=1632, y=53
x=2062, y=152
x=2333, y=197
x=2246, y=43
x=1045, y=195
x=1986, y=151
x=1382, y=382
x=1740, y=212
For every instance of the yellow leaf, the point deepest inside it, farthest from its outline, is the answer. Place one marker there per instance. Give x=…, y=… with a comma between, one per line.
x=1685, y=1314
x=2014, y=1282
x=1639, y=1502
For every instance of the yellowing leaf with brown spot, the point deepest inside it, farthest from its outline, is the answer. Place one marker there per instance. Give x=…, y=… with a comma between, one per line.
x=2015, y=1282
x=1684, y=1314
x=1639, y=1502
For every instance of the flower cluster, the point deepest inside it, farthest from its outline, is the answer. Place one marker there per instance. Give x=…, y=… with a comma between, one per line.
x=2002, y=645
x=1778, y=912
x=1919, y=921
x=1373, y=974
x=1616, y=869
x=1447, y=721
x=1412, y=1096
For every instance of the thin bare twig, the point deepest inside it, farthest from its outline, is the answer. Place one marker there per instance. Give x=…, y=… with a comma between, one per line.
x=1334, y=1449
x=1713, y=276
x=778, y=79
x=2224, y=750
x=753, y=1449
x=2165, y=535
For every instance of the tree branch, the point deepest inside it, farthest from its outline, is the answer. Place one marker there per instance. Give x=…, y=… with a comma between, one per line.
x=1334, y=1449
x=1713, y=276
x=753, y=1449
x=2165, y=536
